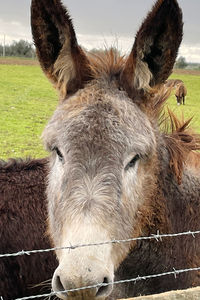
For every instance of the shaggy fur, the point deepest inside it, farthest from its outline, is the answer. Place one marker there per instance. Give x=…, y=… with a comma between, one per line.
x=113, y=172
x=60, y=56
x=145, y=65
x=22, y=227
x=127, y=177
x=26, y=180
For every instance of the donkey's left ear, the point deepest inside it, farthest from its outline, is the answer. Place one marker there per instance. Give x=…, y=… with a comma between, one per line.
x=155, y=49
x=60, y=57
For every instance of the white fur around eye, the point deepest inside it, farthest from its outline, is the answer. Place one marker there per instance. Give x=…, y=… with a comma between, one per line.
x=130, y=176
x=131, y=181
x=133, y=170
x=56, y=173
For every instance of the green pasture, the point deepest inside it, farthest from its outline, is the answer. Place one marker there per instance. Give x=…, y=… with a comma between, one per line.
x=192, y=102
x=27, y=100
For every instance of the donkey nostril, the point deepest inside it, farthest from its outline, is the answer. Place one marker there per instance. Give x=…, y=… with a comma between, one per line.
x=58, y=284
x=105, y=280
x=105, y=289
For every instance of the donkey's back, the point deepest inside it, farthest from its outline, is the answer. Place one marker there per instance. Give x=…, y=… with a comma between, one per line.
x=22, y=227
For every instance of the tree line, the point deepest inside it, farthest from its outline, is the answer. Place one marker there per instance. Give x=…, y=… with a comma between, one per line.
x=20, y=48
x=24, y=48
x=181, y=63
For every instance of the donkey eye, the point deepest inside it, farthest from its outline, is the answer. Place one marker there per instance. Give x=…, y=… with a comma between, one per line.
x=131, y=164
x=60, y=156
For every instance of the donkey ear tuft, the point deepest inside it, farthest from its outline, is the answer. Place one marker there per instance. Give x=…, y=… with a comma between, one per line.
x=60, y=57
x=155, y=49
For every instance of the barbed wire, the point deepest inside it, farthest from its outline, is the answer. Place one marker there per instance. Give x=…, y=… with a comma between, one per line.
x=157, y=237
x=134, y=280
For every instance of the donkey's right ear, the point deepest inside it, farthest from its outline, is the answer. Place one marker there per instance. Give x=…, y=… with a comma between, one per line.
x=60, y=57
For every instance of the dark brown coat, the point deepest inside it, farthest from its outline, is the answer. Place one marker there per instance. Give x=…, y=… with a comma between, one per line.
x=22, y=227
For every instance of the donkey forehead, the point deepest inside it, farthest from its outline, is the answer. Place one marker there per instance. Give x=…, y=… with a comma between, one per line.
x=100, y=117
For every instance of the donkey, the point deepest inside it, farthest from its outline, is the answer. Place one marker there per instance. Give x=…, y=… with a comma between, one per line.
x=113, y=174
x=180, y=93
x=22, y=226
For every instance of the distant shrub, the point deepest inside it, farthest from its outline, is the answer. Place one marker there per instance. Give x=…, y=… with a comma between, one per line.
x=181, y=63
x=20, y=48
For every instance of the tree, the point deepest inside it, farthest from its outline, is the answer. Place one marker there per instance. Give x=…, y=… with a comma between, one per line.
x=20, y=48
x=181, y=63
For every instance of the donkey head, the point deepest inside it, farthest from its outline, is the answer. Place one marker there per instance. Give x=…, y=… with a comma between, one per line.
x=103, y=139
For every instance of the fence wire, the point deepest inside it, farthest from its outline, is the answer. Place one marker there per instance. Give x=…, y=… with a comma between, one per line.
x=134, y=280
x=157, y=237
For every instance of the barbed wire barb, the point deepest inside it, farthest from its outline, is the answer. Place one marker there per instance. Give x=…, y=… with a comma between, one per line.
x=175, y=272
x=192, y=234
x=157, y=237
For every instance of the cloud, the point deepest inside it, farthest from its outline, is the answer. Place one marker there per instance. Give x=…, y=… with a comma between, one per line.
x=16, y=31
x=13, y=31
x=124, y=44
x=190, y=52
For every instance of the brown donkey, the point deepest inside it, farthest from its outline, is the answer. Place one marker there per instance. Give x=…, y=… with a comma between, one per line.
x=180, y=93
x=113, y=174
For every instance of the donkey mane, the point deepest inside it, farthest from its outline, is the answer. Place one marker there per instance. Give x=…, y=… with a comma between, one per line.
x=106, y=64
x=180, y=141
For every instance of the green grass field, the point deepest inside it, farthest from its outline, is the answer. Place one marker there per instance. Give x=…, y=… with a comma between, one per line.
x=27, y=100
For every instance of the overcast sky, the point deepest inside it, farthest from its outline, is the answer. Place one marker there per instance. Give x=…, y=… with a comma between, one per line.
x=100, y=22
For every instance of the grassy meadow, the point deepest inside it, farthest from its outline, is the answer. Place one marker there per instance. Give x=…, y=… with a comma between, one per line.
x=27, y=100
